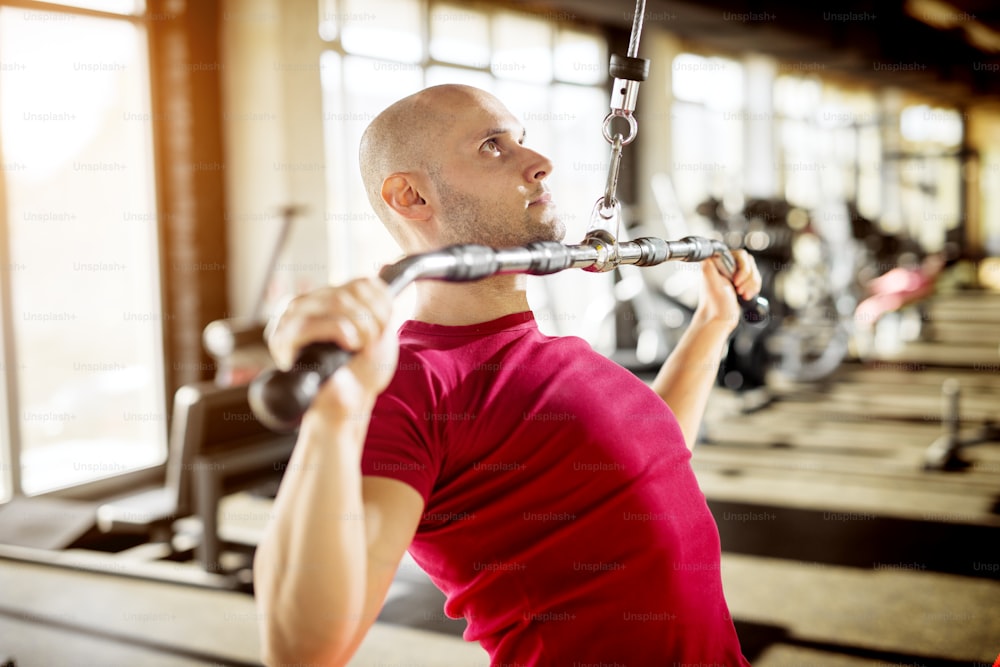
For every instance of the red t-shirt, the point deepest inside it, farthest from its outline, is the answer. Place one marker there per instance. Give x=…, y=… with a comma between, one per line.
x=562, y=520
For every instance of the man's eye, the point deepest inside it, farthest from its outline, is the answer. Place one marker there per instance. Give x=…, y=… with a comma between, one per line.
x=491, y=146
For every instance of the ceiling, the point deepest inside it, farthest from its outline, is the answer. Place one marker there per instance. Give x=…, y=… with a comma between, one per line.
x=884, y=42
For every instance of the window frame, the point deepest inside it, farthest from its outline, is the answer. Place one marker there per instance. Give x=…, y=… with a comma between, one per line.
x=339, y=189
x=172, y=42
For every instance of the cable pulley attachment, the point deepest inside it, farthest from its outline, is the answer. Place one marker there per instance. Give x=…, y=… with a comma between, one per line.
x=628, y=72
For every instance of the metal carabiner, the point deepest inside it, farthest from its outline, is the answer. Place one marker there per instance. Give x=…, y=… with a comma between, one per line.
x=614, y=165
x=605, y=225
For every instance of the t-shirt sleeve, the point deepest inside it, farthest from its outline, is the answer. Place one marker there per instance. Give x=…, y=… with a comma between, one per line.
x=399, y=444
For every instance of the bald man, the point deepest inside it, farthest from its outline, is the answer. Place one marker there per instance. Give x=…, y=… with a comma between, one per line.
x=546, y=491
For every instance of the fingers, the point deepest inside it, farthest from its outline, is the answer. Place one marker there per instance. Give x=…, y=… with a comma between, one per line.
x=718, y=303
x=352, y=315
x=747, y=279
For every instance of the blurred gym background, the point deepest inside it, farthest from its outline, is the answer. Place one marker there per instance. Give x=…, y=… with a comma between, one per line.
x=172, y=172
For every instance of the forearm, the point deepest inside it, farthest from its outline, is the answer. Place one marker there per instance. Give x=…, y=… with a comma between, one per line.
x=322, y=570
x=310, y=569
x=686, y=379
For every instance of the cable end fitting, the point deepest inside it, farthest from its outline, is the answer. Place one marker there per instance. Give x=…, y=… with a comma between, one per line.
x=624, y=67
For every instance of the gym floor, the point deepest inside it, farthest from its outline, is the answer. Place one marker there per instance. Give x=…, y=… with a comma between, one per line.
x=839, y=549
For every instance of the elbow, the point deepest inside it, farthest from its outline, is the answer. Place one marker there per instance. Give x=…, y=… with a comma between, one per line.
x=273, y=656
x=275, y=648
x=285, y=644
x=283, y=651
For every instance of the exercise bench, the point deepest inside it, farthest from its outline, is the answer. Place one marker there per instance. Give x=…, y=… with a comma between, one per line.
x=217, y=447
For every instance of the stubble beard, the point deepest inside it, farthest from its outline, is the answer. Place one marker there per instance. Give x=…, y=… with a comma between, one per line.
x=471, y=219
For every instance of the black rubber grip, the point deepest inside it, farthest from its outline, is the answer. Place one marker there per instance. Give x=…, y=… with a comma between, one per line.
x=756, y=311
x=280, y=398
x=632, y=69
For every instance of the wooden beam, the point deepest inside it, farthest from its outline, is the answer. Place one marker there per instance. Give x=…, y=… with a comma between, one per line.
x=190, y=186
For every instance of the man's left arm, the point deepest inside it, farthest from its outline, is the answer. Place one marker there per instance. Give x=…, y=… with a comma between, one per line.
x=686, y=379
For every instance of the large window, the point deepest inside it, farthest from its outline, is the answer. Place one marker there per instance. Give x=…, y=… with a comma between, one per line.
x=739, y=131
x=549, y=72
x=78, y=225
x=930, y=173
x=708, y=118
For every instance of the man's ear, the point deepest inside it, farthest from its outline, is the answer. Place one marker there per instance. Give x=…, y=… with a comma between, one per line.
x=399, y=192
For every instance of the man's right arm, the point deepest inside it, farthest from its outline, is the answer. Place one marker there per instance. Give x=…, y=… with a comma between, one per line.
x=336, y=538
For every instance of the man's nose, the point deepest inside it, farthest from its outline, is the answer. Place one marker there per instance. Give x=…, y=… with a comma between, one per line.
x=537, y=166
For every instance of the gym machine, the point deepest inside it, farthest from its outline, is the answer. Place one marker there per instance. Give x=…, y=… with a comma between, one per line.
x=280, y=398
x=945, y=453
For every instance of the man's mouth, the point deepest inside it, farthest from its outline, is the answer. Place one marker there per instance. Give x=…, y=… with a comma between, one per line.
x=544, y=198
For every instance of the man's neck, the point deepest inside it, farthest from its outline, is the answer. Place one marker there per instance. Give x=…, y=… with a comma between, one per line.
x=460, y=304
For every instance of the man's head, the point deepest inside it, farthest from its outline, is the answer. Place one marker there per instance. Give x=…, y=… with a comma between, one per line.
x=448, y=165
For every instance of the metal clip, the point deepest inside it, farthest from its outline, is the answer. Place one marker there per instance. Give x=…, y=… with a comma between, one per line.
x=624, y=95
x=611, y=186
x=628, y=72
x=605, y=223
